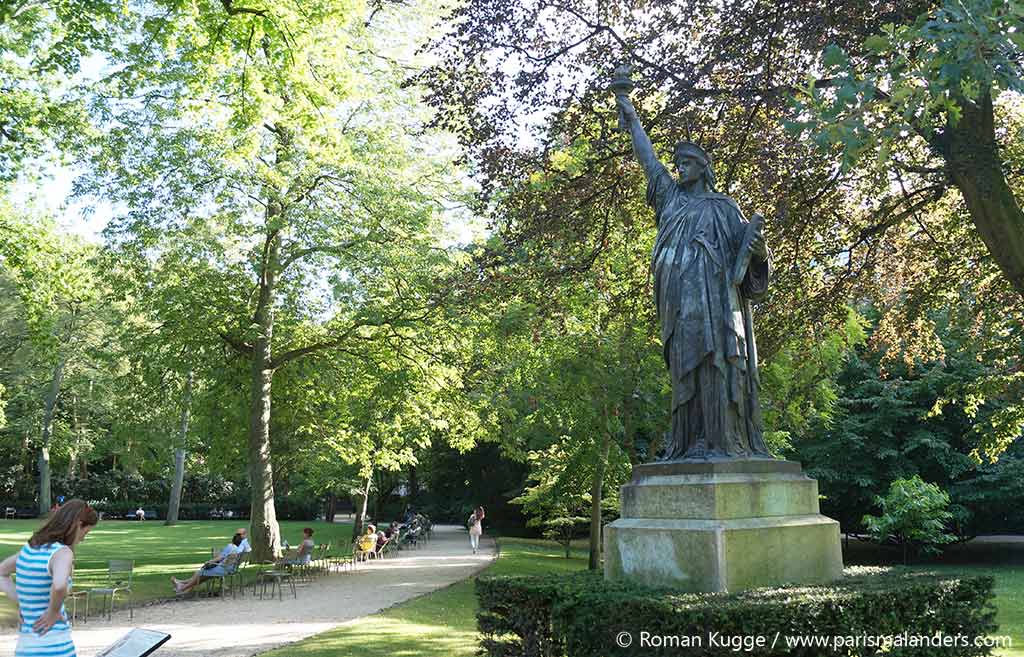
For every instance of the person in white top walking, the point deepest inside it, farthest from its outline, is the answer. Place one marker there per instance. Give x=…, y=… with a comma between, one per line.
x=476, y=528
x=42, y=570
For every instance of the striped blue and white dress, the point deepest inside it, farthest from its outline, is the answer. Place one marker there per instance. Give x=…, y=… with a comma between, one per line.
x=33, y=581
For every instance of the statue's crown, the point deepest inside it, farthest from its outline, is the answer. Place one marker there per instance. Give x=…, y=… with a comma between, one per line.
x=692, y=149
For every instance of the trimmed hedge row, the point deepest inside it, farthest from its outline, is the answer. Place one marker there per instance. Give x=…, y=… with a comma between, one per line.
x=581, y=615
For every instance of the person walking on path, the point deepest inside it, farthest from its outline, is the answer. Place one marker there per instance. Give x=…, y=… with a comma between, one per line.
x=476, y=528
x=43, y=578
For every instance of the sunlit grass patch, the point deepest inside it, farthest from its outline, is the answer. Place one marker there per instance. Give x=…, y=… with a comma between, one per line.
x=159, y=551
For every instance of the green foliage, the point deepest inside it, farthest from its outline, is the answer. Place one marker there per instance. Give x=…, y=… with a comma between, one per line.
x=54, y=276
x=42, y=45
x=562, y=528
x=913, y=78
x=992, y=499
x=914, y=513
x=895, y=420
x=799, y=393
x=581, y=615
x=994, y=431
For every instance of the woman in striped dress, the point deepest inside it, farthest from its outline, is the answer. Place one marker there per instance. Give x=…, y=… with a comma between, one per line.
x=42, y=571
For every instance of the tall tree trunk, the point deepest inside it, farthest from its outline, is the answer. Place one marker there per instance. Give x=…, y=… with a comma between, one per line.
x=49, y=407
x=626, y=363
x=378, y=505
x=364, y=496
x=414, y=484
x=83, y=455
x=975, y=166
x=595, y=502
x=174, y=504
x=76, y=429
x=265, y=532
x=330, y=507
x=384, y=491
x=629, y=426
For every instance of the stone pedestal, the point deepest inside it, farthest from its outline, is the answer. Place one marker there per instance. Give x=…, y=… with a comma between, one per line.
x=722, y=525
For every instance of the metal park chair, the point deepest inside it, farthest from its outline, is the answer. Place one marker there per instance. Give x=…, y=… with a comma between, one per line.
x=119, y=581
x=73, y=597
x=232, y=565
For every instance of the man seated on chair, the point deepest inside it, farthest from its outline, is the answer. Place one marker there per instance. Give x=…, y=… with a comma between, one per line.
x=244, y=546
x=212, y=568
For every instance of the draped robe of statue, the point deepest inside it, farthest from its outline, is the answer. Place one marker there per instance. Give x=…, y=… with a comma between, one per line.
x=706, y=333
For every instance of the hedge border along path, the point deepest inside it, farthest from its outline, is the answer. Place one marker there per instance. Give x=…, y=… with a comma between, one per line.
x=582, y=616
x=248, y=626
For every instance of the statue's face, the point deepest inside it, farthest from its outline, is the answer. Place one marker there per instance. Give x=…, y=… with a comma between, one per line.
x=690, y=168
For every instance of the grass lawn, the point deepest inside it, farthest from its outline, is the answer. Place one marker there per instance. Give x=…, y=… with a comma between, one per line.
x=443, y=624
x=158, y=551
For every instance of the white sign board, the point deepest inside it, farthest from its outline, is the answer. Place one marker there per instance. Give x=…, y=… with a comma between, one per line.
x=137, y=643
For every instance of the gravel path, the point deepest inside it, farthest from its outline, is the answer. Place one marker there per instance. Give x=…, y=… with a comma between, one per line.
x=248, y=626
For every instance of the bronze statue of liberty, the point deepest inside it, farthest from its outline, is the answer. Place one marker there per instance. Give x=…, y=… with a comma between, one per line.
x=708, y=263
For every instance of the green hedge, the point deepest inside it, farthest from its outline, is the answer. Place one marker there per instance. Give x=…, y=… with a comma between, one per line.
x=581, y=615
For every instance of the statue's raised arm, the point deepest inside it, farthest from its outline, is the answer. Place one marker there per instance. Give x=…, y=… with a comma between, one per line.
x=629, y=121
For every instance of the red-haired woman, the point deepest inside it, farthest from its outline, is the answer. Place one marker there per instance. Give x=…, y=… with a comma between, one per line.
x=43, y=572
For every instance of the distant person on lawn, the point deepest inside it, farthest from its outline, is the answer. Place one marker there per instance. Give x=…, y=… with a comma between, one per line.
x=43, y=569
x=140, y=513
x=212, y=568
x=476, y=528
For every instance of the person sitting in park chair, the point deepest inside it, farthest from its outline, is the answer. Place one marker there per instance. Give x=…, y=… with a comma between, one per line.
x=244, y=546
x=212, y=568
x=381, y=540
x=367, y=542
x=305, y=554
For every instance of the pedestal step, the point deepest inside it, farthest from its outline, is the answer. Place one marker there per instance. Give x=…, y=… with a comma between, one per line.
x=724, y=555
x=723, y=525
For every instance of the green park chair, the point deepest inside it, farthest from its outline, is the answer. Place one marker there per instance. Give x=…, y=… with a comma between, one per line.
x=119, y=581
x=230, y=579
x=72, y=599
